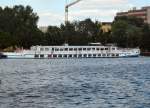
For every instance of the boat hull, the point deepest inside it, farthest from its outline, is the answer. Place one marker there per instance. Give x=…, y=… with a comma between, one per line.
x=65, y=56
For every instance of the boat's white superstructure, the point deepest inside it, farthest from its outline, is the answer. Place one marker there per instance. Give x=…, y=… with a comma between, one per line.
x=48, y=52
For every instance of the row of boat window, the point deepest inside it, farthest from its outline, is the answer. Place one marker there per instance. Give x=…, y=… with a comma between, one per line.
x=75, y=49
x=76, y=55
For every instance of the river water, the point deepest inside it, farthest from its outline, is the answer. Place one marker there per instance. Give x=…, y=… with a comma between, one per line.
x=75, y=83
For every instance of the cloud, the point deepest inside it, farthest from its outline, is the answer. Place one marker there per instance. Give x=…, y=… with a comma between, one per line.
x=50, y=18
x=99, y=9
x=102, y=10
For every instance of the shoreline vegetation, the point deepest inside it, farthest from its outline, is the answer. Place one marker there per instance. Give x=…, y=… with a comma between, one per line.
x=18, y=29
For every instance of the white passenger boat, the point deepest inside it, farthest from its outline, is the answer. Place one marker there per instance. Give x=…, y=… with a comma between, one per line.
x=92, y=51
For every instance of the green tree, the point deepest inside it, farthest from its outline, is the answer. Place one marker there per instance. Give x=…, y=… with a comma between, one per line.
x=5, y=40
x=119, y=33
x=127, y=31
x=54, y=36
x=145, y=41
x=21, y=24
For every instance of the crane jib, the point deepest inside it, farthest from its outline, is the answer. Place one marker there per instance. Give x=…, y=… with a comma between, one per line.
x=66, y=9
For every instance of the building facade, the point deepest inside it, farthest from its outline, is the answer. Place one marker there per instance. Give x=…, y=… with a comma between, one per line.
x=106, y=26
x=143, y=13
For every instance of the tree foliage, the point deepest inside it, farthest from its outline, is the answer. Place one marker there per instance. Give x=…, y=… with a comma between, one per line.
x=130, y=32
x=19, y=26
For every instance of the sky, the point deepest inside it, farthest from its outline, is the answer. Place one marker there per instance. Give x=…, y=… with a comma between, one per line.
x=51, y=12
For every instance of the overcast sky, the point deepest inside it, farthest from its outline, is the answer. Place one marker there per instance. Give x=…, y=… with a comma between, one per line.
x=51, y=12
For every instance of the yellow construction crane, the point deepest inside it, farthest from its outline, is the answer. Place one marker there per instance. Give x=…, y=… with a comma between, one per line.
x=66, y=9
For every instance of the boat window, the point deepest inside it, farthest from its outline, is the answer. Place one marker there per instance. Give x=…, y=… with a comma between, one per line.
x=42, y=56
x=70, y=49
x=104, y=55
x=61, y=49
x=66, y=49
x=85, y=55
x=84, y=49
x=93, y=48
x=75, y=49
x=49, y=55
x=65, y=55
x=88, y=49
x=80, y=55
x=41, y=49
x=70, y=55
x=56, y=49
x=89, y=55
x=46, y=49
x=54, y=55
x=113, y=55
x=117, y=55
x=106, y=48
x=75, y=55
x=102, y=49
x=99, y=55
x=94, y=55
x=60, y=55
x=80, y=49
x=52, y=49
x=108, y=55
x=97, y=49
x=36, y=56
x=113, y=48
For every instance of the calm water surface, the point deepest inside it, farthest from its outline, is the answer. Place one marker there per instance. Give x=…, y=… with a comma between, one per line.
x=75, y=83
